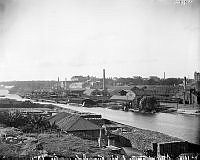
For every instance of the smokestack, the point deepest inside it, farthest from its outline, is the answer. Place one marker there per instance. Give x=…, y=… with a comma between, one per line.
x=104, y=80
x=184, y=85
x=58, y=84
x=164, y=75
x=185, y=82
x=65, y=83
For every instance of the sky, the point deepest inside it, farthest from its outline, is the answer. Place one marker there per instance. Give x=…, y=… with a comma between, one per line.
x=44, y=39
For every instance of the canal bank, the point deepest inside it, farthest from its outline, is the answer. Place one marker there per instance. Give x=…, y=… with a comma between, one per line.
x=185, y=127
x=178, y=125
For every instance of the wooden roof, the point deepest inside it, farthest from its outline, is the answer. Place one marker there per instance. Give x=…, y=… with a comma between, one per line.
x=72, y=122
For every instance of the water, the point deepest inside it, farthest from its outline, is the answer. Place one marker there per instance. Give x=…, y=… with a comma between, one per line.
x=186, y=127
x=178, y=125
x=10, y=96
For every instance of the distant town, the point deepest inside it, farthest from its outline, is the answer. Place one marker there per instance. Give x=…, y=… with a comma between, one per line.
x=41, y=126
x=125, y=93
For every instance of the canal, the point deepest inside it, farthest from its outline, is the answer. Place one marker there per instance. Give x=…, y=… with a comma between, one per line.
x=186, y=127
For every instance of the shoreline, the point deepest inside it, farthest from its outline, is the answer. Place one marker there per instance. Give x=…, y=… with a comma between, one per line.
x=186, y=109
x=141, y=139
x=57, y=109
x=59, y=105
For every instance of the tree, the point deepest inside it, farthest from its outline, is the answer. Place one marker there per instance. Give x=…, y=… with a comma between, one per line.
x=148, y=104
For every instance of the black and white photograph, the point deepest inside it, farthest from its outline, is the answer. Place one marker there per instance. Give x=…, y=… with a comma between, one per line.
x=99, y=79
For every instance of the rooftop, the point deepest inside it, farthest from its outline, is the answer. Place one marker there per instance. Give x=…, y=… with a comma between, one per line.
x=72, y=122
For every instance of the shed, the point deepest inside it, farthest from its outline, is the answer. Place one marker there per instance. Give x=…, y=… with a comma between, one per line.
x=74, y=123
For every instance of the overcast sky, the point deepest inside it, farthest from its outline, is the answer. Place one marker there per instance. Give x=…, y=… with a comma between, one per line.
x=44, y=39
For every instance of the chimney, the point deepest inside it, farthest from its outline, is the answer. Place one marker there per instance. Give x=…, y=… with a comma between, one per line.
x=104, y=80
x=58, y=83
x=164, y=75
x=65, y=84
x=184, y=85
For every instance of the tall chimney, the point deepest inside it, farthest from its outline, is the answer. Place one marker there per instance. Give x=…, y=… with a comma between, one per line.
x=184, y=85
x=58, y=83
x=65, y=86
x=104, y=80
x=164, y=75
x=185, y=82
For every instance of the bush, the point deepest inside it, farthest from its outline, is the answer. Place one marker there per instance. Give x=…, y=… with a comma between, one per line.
x=28, y=123
x=148, y=104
